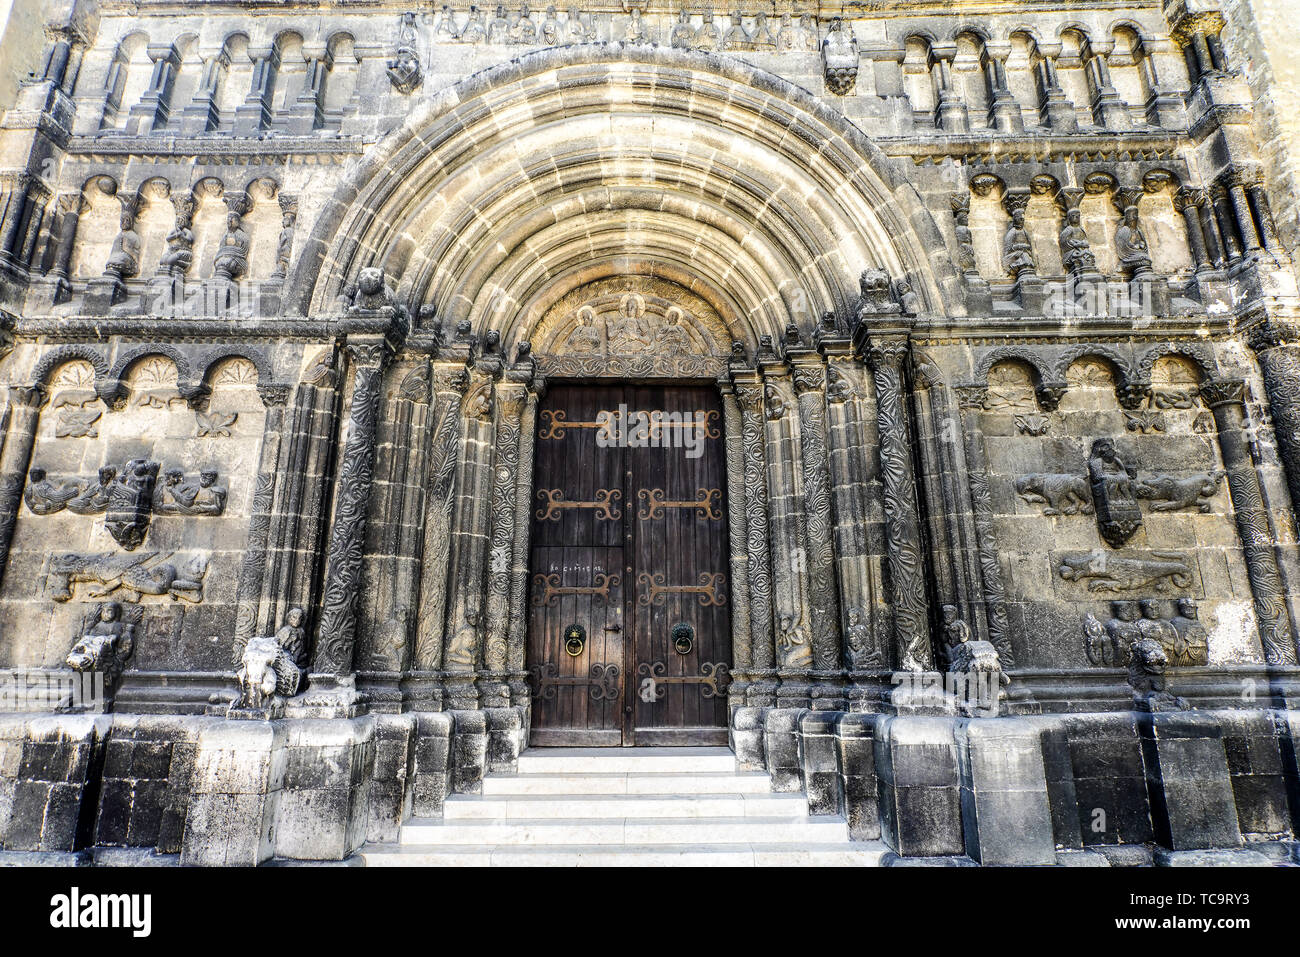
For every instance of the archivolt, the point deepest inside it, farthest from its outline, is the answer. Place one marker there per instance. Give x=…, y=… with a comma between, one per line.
x=575, y=163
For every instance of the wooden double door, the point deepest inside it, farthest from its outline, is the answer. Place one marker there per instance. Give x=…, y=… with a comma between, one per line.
x=629, y=639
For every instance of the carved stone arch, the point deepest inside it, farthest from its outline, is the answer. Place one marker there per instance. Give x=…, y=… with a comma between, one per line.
x=113, y=389
x=1032, y=34
x=789, y=263
x=1201, y=357
x=1037, y=363
x=965, y=28
x=43, y=372
x=1145, y=37
x=1129, y=390
x=207, y=362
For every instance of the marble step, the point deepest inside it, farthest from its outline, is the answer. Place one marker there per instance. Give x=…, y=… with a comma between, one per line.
x=514, y=806
x=636, y=782
x=793, y=854
x=623, y=760
x=616, y=831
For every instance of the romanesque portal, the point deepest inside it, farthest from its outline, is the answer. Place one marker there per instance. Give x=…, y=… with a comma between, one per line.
x=649, y=383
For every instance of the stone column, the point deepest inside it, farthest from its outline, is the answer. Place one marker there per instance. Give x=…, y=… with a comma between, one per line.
x=1268, y=229
x=886, y=355
x=252, y=570
x=1004, y=111
x=517, y=638
x=1236, y=191
x=1275, y=346
x=867, y=620
x=154, y=108
x=25, y=403
x=201, y=114
x=808, y=372
x=1188, y=202
x=1226, y=397
x=71, y=206
x=336, y=633
x=450, y=381
x=462, y=651
x=749, y=397
x=742, y=652
x=970, y=400
x=785, y=495
x=13, y=195
x=511, y=399
x=1231, y=245
x=255, y=113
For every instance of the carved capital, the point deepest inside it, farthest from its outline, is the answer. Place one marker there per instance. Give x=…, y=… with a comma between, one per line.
x=750, y=398
x=1271, y=333
x=370, y=354
x=887, y=353
x=1216, y=392
x=808, y=378
x=274, y=394
x=1189, y=196
x=971, y=398
x=32, y=396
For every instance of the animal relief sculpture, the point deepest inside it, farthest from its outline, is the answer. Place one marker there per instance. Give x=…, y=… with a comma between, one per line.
x=1105, y=570
x=1146, y=676
x=1059, y=493
x=271, y=668
x=1168, y=493
x=146, y=573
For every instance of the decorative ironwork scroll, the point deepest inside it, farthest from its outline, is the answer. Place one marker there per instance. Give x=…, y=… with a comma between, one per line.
x=711, y=589
x=708, y=503
x=547, y=589
x=713, y=679
x=556, y=424
x=555, y=503
x=601, y=682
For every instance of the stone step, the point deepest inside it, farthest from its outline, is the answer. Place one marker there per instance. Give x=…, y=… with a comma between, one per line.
x=615, y=831
x=624, y=760
x=635, y=782
x=794, y=854
x=545, y=806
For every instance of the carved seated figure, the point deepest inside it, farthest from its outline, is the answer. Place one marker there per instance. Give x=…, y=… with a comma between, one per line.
x=1076, y=251
x=1131, y=246
x=179, y=256
x=840, y=58
x=1017, y=251
x=104, y=645
x=979, y=662
x=683, y=35
x=232, y=257
x=124, y=257
x=372, y=293
x=271, y=666
x=93, y=498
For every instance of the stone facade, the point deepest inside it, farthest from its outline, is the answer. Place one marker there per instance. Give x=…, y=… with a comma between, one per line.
x=1002, y=310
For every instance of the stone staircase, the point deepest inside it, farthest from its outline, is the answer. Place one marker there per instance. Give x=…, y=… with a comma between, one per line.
x=625, y=807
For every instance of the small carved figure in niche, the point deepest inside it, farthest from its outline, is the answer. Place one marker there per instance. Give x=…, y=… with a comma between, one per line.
x=1076, y=251
x=1114, y=494
x=673, y=340
x=578, y=31
x=1146, y=676
x=475, y=29
x=285, y=247
x=93, y=499
x=179, y=256
x=788, y=37
x=585, y=338
x=1108, y=645
x=808, y=33
x=271, y=667
x=737, y=37
x=965, y=241
x=774, y=401
x=446, y=28
x=907, y=298
x=708, y=37
x=462, y=647
x=858, y=639
x=838, y=386
x=1131, y=246
x=630, y=334
x=1060, y=493
x=499, y=28
x=179, y=496
x=1193, y=645
x=124, y=257
x=1017, y=251
x=955, y=631
x=1169, y=493
x=840, y=58
x=635, y=31
x=683, y=35
x=792, y=644
x=762, y=38
x=524, y=30
x=106, y=641
x=45, y=497
x=232, y=257
x=550, y=29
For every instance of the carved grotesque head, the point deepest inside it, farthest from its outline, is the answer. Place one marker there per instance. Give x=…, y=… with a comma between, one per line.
x=370, y=281
x=92, y=653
